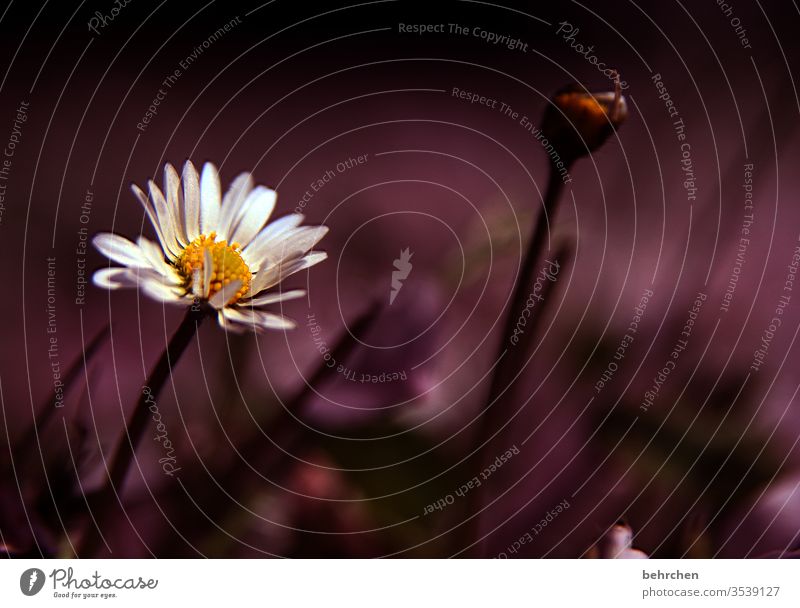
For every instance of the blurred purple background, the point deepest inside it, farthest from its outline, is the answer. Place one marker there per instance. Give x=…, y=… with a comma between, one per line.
x=292, y=95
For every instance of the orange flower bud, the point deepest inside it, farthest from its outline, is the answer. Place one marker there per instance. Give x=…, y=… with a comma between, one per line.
x=577, y=122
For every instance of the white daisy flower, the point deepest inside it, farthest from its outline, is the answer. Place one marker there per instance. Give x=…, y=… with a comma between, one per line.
x=212, y=248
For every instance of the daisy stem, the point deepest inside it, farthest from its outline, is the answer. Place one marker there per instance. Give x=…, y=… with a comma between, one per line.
x=135, y=428
x=511, y=360
x=150, y=391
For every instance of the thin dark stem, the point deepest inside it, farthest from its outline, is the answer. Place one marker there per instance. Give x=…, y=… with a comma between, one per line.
x=134, y=430
x=286, y=426
x=510, y=360
x=25, y=446
x=257, y=454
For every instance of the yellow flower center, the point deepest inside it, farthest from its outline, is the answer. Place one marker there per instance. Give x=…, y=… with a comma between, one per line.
x=228, y=264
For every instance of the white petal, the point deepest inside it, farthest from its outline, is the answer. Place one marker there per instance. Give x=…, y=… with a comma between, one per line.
x=228, y=325
x=273, y=298
x=281, y=225
x=172, y=184
x=226, y=294
x=114, y=278
x=170, y=246
x=232, y=202
x=120, y=249
x=197, y=284
x=254, y=214
x=257, y=319
x=314, y=257
x=191, y=200
x=152, y=252
x=146, y=279
x=155, y=255
x=168, y=223
x=210, y=195
x=161, y=292
x=274, y=275
x=151, y=213
x=290, y=244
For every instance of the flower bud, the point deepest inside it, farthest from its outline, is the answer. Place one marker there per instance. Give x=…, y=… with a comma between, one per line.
x=578, y=122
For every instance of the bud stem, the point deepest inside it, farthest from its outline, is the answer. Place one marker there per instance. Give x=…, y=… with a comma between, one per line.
x=509, y=363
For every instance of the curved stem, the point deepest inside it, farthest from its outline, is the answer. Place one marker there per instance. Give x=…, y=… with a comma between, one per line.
x=510, y=361
x=134, y=430
x=508, y=364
